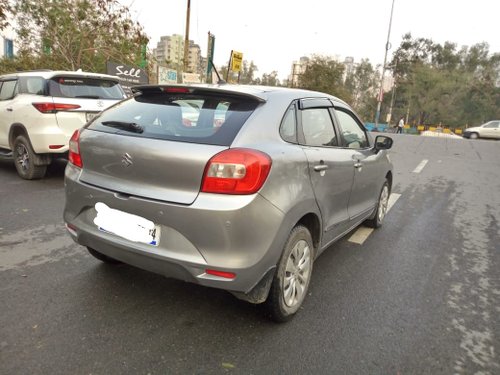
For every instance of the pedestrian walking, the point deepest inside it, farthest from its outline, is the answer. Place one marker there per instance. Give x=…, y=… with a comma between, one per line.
x=401, y=124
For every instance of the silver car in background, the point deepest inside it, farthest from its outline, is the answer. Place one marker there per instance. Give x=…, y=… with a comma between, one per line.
x=242, y=196
x=491, y=129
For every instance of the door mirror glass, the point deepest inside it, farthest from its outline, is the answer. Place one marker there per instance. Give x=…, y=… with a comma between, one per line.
x=383, y=143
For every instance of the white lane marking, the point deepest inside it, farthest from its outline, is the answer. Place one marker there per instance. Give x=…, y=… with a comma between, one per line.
x=392, y=200
x=362, y=234
x=420, y=166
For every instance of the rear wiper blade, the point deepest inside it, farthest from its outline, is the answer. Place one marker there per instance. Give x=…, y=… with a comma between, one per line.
x=132, y=126
x=88, y=96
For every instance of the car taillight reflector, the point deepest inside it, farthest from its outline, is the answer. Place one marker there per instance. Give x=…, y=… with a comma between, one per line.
x=74, y=150
x=236, y=171
x=224, y=274
x=55, y=147
x=54, y=107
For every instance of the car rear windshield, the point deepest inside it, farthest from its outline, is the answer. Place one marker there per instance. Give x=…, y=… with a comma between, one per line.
x=206, y=118
x=81, y=87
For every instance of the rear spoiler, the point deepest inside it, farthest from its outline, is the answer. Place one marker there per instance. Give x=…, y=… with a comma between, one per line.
x=185, y=89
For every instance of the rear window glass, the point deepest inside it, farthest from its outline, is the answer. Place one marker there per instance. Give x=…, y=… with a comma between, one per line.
x=90, y=88
x=207, y=119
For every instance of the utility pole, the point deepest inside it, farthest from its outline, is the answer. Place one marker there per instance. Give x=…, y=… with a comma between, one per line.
x=186, y=39
x=394, y=69
x=387, y=47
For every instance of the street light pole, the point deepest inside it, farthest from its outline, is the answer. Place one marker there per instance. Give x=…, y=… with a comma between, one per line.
x=186, y=38
x=387, y=47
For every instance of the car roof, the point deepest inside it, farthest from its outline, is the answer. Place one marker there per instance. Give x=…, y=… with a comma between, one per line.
x=261, y=93
x=47, y=74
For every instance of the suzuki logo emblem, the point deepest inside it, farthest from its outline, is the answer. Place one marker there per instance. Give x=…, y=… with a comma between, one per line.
x=100, y=103
x=126, y=160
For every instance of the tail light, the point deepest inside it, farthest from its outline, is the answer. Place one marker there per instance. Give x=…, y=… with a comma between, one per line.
x=54, y=107
x=236, y=171
x=74, y=149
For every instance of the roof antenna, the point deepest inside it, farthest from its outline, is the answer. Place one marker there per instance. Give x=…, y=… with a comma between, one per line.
x=219, y=80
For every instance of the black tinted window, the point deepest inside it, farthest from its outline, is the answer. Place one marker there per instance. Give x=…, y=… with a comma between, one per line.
x=207, y=119
x=79, y=87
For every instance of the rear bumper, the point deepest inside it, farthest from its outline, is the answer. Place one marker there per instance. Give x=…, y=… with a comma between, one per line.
x=53, y=141
x=243, y=235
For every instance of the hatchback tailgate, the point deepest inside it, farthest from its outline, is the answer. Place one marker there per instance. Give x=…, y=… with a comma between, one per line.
x=151, y=168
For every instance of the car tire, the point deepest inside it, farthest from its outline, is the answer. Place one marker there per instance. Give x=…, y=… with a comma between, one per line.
x=474, y=136
x=292, y=277
x=24, y=159
x=381, y=209
x=102, y=257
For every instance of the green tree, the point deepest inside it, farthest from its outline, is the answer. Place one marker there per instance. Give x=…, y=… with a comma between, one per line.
x=269, y=79
x=247, y=73
x=326, y=75
x=5, y=11
x=443, y=84
x=77, y=34
x=362, y=84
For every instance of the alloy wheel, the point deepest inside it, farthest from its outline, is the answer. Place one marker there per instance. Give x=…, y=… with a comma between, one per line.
x=297, y=274
x=383, y=203
x=23, y=157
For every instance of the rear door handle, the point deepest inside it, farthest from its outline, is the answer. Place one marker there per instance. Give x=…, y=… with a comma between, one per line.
x=9, y=109
x=358, y=165
x=321, y=167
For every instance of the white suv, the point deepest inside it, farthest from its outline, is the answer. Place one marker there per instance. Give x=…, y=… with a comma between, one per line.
x=40, y=110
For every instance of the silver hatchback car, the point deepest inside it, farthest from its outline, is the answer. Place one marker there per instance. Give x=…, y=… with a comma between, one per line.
x=243, y=195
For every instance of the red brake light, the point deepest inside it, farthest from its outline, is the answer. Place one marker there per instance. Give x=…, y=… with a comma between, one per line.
x=54, y=107
x=176, y=90
x=74, y=150
x=236, y=171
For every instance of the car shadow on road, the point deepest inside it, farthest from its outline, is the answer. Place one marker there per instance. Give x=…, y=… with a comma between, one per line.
x=55, y=170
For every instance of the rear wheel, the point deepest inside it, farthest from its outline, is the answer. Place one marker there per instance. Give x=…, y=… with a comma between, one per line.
x=24, y=158
x=381, y=210
x=292, y=278
x=102, y=257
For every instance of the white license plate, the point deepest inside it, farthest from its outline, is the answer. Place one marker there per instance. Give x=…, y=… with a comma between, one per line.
x=131, y=227
x=89, y=116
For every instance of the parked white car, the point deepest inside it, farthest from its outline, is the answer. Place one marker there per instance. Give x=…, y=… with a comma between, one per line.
x=490, y=129
x=40, y=110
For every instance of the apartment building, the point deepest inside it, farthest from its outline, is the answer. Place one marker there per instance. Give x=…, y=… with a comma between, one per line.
x=7, y=42
x=170, y=52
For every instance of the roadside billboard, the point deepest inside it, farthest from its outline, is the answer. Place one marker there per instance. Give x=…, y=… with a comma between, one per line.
x=129, y=75
x=191, y=78
x=166, y=76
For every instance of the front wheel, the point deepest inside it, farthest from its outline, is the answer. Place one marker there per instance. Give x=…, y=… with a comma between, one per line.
x=474, y=136
x=381, y=209
x=24, y=158
x=292, y=278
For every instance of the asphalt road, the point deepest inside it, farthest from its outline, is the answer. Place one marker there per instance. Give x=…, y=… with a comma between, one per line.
x=420, y=296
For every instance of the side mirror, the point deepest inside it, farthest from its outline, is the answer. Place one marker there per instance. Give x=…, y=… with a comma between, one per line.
x=382, y=142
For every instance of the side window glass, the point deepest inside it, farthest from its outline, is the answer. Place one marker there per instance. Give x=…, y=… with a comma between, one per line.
x=8, y=90
x=288, y=129
x=318, y=127
x=34, y=85
x=352, y=133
